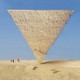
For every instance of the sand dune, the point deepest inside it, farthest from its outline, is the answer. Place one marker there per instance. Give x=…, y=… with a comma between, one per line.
x=48, y=70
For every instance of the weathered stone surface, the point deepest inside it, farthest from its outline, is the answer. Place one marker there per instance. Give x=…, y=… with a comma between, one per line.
x=40, y=27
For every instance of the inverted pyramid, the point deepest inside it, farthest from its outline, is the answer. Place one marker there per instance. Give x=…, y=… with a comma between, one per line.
x=40, y=28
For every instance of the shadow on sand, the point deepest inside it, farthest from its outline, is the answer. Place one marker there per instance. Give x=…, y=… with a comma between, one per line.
x=54, y=62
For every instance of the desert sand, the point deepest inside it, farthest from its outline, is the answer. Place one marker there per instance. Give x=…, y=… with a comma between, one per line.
x=32, y=70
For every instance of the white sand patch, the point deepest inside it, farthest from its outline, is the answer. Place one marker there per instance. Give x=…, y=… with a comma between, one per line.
x=74, y=64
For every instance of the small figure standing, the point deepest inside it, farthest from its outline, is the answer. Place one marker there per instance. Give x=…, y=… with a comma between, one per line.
x=13, y=60
x=18, y=60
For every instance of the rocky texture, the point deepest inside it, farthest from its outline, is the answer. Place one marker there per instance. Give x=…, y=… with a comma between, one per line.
x=40, y=27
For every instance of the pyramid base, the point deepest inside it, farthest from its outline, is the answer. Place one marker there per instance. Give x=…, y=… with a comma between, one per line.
x=40, y=60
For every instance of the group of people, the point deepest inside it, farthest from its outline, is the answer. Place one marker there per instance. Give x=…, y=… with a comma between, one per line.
x=13, y=60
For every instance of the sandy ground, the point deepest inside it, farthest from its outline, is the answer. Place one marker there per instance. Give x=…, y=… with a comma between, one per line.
x=32, y=70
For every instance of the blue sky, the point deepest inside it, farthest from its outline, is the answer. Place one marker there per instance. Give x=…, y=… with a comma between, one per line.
x=12, y=43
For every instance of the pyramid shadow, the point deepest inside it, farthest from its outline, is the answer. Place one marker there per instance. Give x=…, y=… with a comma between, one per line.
x=54, y=62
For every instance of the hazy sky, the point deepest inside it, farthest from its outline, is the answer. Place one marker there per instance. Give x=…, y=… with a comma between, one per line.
x=12, y=43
